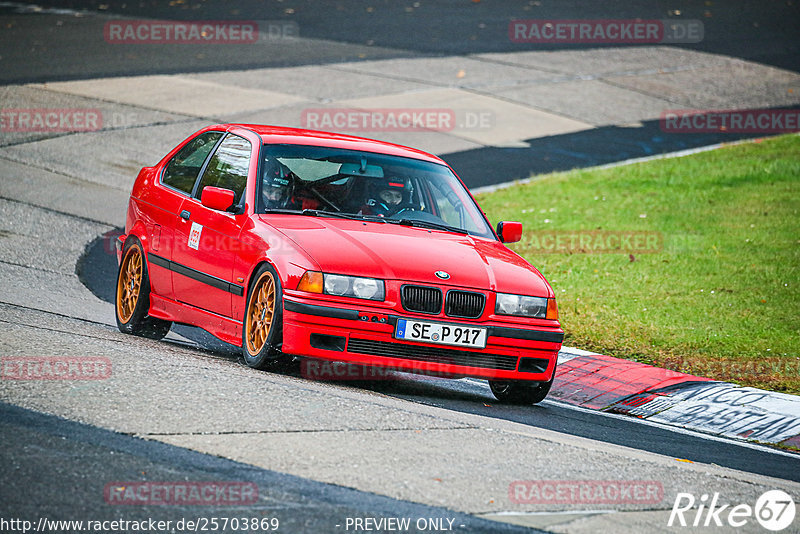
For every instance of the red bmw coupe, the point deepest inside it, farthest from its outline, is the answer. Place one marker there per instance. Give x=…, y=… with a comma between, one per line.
x=296, y=243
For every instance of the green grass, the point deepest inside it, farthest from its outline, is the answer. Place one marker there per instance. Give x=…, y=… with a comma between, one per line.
x=720, y=297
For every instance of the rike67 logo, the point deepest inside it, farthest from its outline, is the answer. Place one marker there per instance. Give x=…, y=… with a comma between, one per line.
x=774, y=510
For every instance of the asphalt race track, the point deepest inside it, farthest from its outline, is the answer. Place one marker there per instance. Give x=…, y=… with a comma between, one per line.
x=441, y=453
x=65, y=448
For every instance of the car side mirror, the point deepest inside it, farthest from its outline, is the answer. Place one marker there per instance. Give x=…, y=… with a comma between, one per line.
x=217, y=198
x=509, y=232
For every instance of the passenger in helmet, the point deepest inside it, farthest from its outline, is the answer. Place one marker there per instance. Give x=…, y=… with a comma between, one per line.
x=389, y=198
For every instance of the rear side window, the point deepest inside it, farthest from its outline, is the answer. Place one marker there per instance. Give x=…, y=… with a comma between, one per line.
x=228, y=166
x=182, y=170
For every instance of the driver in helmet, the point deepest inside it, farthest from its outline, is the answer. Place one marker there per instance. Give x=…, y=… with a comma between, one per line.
x=389, y=198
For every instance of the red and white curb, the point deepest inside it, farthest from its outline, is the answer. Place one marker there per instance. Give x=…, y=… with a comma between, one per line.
x=611, y=384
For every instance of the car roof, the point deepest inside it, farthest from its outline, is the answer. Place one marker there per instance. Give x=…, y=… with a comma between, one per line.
x=298, y=136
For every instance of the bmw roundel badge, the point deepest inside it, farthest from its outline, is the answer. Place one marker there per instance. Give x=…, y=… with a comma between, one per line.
x=442, y=274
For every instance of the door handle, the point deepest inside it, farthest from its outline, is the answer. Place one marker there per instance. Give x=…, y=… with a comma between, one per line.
x=185, y=215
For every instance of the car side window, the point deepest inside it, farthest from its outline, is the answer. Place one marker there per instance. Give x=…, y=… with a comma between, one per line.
x=228, y=167
x=182, y=170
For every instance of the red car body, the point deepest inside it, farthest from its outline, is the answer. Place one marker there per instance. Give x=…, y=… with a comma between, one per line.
x=203, y=279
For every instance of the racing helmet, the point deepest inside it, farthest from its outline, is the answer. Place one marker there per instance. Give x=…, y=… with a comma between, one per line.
x=390, y=197
x=277, y=185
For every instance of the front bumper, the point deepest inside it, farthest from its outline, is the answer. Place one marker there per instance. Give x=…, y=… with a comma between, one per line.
x=366, y=337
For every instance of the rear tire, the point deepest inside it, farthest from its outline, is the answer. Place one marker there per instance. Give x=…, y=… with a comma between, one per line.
x=132, y=297
x=520, y=391
x=262, y=327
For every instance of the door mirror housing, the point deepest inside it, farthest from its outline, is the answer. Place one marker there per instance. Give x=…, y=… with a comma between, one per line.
x=509, y=232
x=217, y=198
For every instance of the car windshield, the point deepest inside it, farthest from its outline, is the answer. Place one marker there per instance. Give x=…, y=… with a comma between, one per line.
x=333, y=182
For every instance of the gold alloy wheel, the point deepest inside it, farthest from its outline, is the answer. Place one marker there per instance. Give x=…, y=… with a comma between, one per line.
x=260, y=312
x=129, y=284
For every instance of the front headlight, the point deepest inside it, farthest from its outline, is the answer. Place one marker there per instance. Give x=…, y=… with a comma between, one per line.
x=524, y=306
x=353, y=286
x=342, y=286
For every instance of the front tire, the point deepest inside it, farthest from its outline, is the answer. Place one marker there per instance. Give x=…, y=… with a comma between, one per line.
x=262, y=328
x=521, y=392
x=132, y=298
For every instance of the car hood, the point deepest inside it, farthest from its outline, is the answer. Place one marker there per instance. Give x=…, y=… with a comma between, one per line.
x=411, y=254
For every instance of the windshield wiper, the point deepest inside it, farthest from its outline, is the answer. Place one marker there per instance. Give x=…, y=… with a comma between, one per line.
x=340, y=215
x=325, y=213
x=428, y=224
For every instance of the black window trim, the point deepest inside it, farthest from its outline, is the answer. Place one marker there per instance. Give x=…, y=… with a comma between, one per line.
x=239, y=207
x=202, y=167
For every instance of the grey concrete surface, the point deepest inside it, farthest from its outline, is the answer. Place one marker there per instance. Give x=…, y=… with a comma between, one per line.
x=569, y=99
x=64, y=194
x=111, y=115
x=61, y=293
x=595, y=63
x=755, y=86
x=508, y=123
x=39, y=248
x=29, y=239
x=314, y=82
x=449, y=71
x=117, y=155
x=177, y=94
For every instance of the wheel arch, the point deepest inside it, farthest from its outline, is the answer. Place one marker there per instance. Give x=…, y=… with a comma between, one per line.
x=139, y=232
x=255, y=268
x=290, y=269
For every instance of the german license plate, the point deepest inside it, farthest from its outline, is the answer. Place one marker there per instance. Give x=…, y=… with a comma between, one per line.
x=443, y=334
